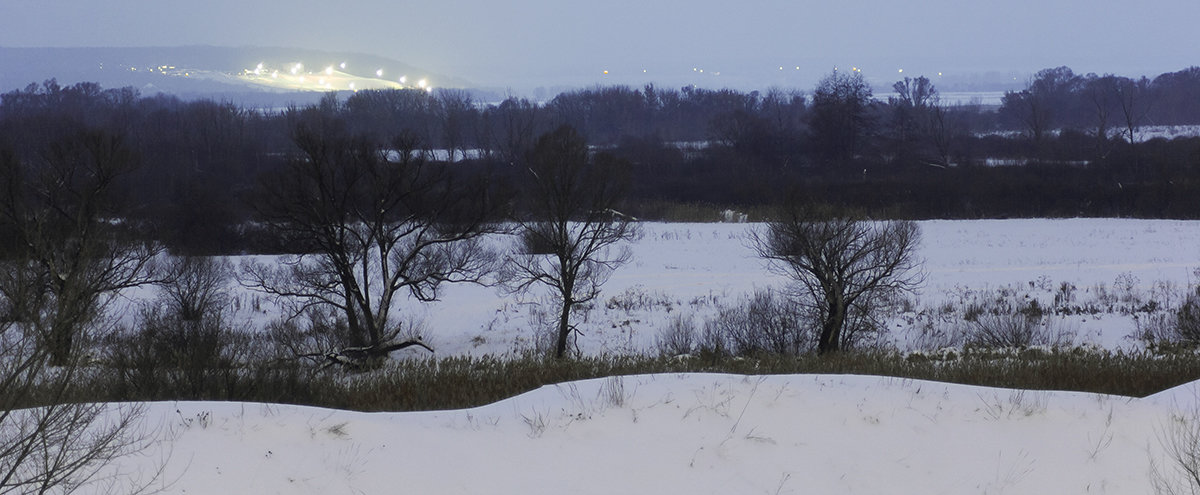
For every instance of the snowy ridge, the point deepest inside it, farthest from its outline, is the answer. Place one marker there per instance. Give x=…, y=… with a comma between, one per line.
x=687, y=433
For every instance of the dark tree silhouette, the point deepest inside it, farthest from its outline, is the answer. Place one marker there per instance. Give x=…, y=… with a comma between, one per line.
x=374, y=223
x=840, y=119
x=842, y=264
x=571, y=230
x=69, y=242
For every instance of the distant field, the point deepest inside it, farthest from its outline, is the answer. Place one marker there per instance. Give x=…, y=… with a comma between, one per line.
x=693, y=269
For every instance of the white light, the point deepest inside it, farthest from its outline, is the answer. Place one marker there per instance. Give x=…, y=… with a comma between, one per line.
x=321, y=81
x=342, y=65
x=275, y=74
x=403, y=79
x=422, y=83
x=379, y=73
x=329, y=71
x=351, y=85
x=901, y=70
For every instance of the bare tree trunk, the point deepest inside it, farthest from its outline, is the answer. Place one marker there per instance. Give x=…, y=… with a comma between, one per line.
x=831, y=328
x=564, y=329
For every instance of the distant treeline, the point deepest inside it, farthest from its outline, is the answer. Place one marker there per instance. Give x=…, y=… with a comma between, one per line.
x=1067, y=145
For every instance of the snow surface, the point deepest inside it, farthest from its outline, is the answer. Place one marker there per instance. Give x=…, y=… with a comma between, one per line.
x=689, y=433
x=692, y=269
x=703, y=433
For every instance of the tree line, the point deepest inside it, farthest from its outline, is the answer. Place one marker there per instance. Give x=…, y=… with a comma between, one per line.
x=1067, y=145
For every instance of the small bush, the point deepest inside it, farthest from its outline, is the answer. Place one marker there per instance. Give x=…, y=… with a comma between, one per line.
x=1187, y=320
x=764, y=323
x=1169, y=330
x=678, y=338
x=1019, y=329
x=188, y=357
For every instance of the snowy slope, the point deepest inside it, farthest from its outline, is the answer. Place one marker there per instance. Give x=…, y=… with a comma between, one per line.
x=696, y=433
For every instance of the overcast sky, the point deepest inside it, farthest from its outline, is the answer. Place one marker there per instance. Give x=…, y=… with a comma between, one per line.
x=525, y=43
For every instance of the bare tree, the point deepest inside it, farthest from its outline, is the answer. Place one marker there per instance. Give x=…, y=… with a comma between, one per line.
x=455, y=111
x=68, y=235
x=1132, y=96
x=571, y=230
x=841, y=264
x=375, y=224
x=195, y=286
x=1031, y=110
x=914, y=115
x=55, y=274
x=513, y=124
x=940, y=130
x=839, y=118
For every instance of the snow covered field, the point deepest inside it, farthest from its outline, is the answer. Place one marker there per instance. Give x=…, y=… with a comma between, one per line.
x=691, y=269
x=699, y=433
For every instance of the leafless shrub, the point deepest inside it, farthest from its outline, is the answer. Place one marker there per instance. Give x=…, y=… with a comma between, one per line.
x=678, y=337
x=1018, y=329
x=195, y=287
x=935, y=334
x=163, y=352
x=766, y=322
x=50, y=442
x=1180, y=327
x=1178, y=471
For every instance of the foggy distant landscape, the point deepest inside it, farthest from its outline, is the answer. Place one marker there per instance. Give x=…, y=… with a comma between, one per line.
x=476, y=247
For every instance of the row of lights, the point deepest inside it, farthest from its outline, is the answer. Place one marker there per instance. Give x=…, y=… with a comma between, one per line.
x=297, y=68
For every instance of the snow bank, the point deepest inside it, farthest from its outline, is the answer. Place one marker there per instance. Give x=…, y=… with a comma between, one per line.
x=694, y=433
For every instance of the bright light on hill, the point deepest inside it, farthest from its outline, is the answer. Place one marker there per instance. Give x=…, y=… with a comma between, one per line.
x=293, y=76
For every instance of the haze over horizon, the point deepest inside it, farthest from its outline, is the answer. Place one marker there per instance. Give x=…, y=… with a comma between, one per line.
x=754, y=44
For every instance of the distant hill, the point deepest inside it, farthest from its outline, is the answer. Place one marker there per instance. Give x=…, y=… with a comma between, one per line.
x=241, y=74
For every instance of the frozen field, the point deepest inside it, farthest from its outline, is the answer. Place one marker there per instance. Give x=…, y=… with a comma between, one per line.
x=691, y=269
x=699, y=433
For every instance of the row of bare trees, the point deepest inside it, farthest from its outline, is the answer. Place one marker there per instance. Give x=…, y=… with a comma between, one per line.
x=376, y=222
x=372, y=222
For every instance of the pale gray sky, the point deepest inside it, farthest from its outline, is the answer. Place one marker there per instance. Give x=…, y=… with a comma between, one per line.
x=525, y=43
